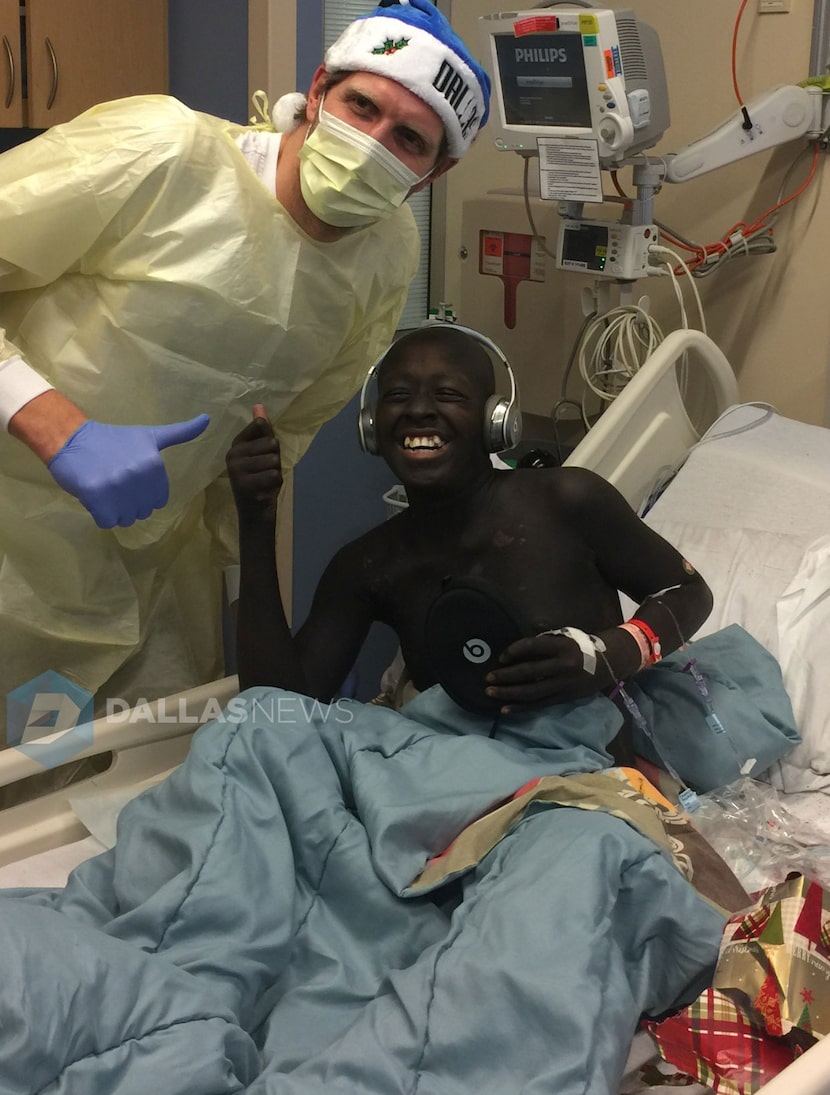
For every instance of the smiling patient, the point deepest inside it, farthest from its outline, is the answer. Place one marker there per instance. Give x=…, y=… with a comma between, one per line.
x=557, y=544
x=428, y=899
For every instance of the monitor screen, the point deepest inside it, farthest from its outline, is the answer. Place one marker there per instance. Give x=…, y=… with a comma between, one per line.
x=543, y=80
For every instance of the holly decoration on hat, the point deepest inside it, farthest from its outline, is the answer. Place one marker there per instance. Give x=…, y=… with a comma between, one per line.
x=391, y=46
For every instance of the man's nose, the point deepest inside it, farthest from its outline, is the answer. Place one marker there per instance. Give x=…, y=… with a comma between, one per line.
x=383, y=131
x=421, y=405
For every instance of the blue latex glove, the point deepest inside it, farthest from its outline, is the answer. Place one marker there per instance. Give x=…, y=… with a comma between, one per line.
x=117, y=471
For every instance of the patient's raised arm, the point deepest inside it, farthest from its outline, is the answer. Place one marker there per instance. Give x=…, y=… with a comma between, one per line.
x=316, y=661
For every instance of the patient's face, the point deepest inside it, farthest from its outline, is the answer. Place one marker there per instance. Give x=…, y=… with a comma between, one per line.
x=430, y=416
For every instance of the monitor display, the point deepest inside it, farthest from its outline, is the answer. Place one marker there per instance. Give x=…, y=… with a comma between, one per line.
x=543, y=80
x=592, y=74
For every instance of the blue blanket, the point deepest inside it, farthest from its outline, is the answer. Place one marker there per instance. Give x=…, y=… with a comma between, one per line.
x=254, y=928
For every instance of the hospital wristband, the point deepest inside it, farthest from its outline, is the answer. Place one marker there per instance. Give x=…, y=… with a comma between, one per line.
x=647, y=641
x=19, y=385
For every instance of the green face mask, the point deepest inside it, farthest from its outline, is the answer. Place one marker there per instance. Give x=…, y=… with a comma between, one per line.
x=349, y=179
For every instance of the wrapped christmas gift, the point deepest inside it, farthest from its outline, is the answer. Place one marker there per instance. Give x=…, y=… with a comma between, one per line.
x=713, y=1041
x=775, y=960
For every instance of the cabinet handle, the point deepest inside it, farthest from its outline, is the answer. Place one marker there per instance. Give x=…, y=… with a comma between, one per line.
x=10, y=58
x=55, y=74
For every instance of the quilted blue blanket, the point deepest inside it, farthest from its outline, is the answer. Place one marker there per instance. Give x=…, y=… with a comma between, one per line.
x=255, y=928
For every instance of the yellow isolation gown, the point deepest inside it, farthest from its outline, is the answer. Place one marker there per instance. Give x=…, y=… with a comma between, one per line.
x=149, y=275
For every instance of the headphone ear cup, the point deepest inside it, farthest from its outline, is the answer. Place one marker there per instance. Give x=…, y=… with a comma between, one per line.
x=502, y=424
x=366, y=430
x=495, y=411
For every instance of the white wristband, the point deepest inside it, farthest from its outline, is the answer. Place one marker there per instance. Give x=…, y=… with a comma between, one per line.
x=19, y=385
x=588, y=644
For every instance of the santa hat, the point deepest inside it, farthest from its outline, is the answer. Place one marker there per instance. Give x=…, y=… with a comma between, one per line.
x=410, y=41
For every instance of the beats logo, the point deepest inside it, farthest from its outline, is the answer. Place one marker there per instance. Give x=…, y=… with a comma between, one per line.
x=477, y=651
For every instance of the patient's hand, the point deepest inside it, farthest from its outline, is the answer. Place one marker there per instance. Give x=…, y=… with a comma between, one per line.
x=542, y=669
x=253, y=463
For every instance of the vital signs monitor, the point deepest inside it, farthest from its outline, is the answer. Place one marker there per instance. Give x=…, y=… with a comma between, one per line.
x=572, y=72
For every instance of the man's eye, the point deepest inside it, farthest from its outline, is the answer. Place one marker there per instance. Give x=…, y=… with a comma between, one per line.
x=448, y=394
x=412, y=141
x=361, y=105
x=397, y=395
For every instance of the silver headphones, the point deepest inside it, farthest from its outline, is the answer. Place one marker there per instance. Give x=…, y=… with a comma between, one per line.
x=502, y=417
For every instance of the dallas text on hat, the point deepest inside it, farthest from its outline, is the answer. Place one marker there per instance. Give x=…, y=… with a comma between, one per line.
x=455, y=89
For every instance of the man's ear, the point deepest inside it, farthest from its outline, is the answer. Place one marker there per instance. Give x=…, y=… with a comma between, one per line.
x=440, y=169
x=318, y=82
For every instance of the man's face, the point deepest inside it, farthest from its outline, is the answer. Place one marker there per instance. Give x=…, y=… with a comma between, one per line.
x=430, y=417
x=386, y=111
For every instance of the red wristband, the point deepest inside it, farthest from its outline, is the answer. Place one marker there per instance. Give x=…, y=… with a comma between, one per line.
x=652, y=638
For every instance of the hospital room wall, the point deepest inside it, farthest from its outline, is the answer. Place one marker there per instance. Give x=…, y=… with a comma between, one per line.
x=767, y=313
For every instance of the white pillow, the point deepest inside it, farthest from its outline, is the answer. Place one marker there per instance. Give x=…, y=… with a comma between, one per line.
x=746, y=570
x=803, y=624
x=778, y=591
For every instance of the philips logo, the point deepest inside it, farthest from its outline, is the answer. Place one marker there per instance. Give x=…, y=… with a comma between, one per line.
x=542, y=56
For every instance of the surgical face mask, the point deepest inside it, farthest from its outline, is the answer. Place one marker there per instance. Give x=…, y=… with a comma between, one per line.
x=347, y=178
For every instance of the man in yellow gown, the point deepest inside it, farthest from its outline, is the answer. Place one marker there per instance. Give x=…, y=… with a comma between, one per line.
x=158, y=264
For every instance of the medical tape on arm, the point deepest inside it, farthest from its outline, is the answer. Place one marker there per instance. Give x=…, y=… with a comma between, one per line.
x=19, y=385
x=588, y=644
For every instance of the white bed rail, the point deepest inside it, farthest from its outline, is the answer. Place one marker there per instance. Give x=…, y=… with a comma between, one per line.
x=145, y=740
x=807, y=1075
x=647, y=426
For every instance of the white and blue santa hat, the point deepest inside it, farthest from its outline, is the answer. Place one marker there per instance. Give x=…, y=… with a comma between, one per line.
x=410, y=41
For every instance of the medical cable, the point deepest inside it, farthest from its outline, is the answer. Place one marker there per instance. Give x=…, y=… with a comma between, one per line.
x=614, y=347
x=658, y=249
x=768, y=409
x=691, y=667
x=755, y=238
x=747, y=120
x=665, y=474
x=688, y=799
x=563, y=400
x=529, y=212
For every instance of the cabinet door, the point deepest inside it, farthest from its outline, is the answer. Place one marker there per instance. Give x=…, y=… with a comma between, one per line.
x=11, y=64
x=83, y=52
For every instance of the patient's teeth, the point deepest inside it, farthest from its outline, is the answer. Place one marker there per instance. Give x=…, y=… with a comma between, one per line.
x=417, y=442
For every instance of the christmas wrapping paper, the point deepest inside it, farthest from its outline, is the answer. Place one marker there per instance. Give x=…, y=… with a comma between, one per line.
x=716, y=1043
x=775, y=960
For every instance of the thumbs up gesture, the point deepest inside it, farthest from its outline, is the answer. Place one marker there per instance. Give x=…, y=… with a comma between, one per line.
x=255, y=469
x=117, y=472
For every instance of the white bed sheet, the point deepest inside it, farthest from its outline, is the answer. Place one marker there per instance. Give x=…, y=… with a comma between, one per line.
x=50, y=868
x=751, y=510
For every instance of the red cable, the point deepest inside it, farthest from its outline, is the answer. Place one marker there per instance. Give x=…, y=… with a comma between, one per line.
x=747, y=123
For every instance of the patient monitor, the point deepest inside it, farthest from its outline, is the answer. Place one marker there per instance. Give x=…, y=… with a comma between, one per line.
x=576, y=73
x=584, y=88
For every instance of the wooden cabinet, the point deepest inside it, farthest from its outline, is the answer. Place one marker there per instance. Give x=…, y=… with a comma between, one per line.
x=58, y=57
x=12, y=105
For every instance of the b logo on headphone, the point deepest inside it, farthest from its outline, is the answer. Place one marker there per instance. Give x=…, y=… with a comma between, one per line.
x=502, y=417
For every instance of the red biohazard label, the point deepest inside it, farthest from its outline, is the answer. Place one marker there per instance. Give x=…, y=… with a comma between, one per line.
x=535, y=24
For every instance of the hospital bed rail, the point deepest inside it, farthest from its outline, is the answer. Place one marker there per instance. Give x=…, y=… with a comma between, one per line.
x=145, y=740
x=666, y=407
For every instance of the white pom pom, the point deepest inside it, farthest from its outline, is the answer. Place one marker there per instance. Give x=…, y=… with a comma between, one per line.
x=285, y=110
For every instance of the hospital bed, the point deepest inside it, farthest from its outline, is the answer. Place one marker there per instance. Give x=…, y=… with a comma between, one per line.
x=750, y=506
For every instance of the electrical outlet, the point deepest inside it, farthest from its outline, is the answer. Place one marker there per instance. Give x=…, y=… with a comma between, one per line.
x=767, y=7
